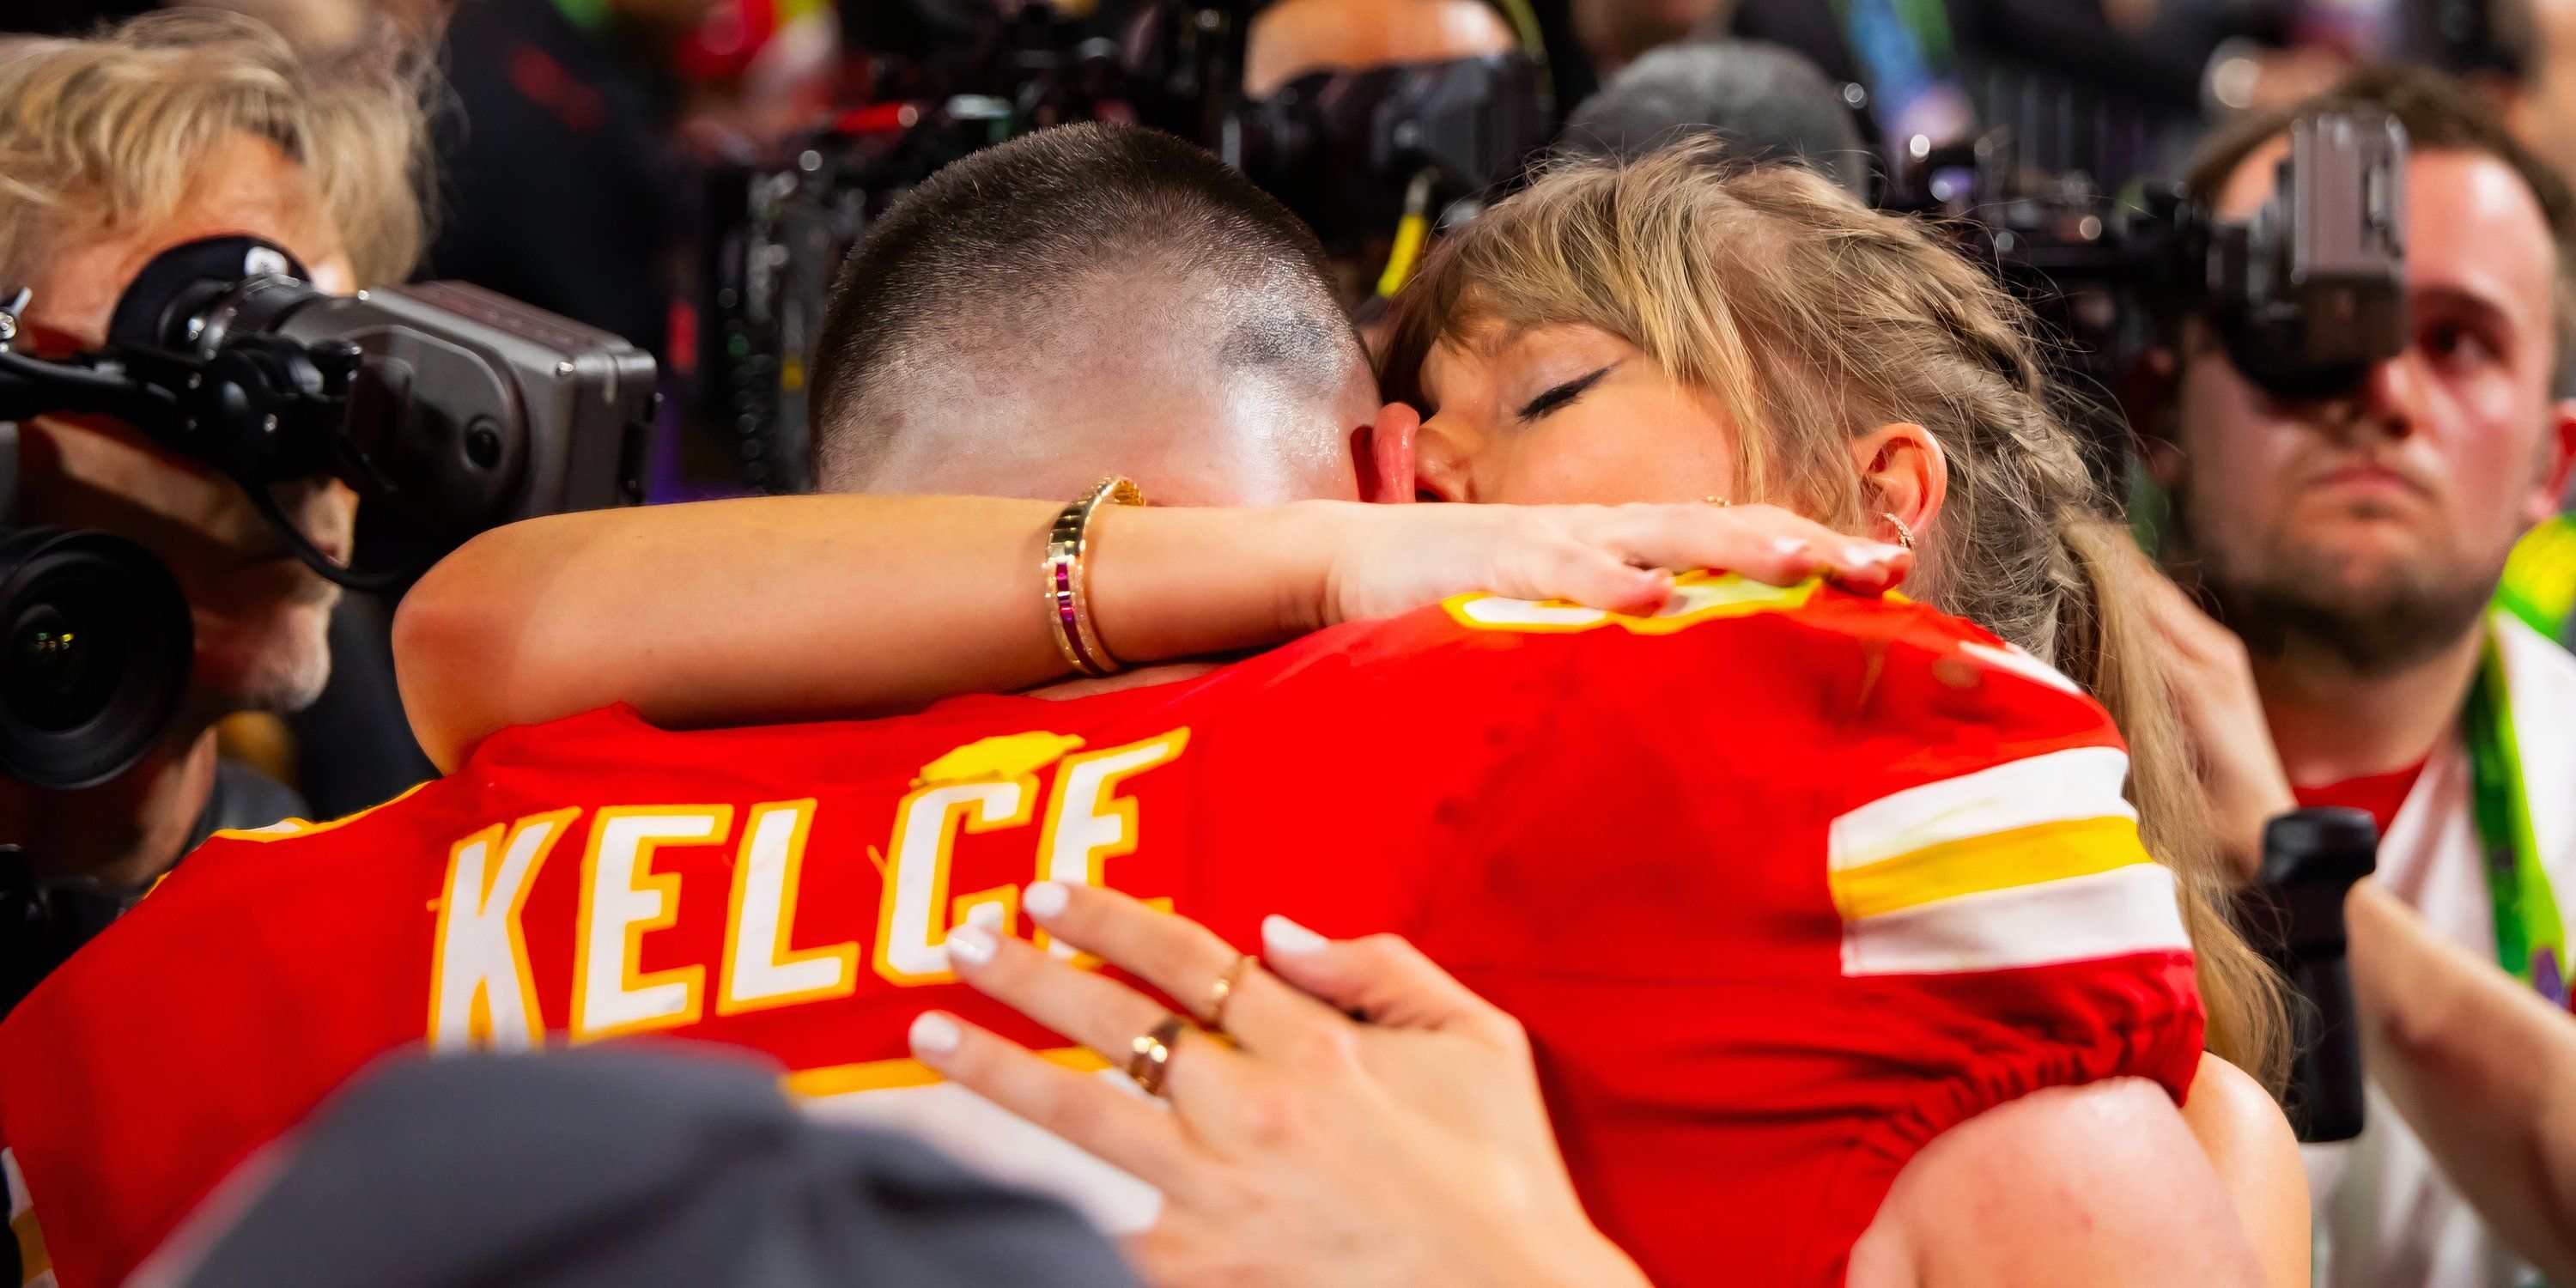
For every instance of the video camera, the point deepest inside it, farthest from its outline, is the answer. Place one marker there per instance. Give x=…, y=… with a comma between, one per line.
x=2306, y=294
x=1354, y=153
x=449, y=409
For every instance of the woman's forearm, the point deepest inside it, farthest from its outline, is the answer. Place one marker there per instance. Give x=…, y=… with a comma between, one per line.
x=768, y=608
x=737, y=612
x=2481, y=1067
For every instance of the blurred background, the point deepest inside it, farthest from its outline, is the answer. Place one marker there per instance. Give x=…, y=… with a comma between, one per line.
x=688, y=173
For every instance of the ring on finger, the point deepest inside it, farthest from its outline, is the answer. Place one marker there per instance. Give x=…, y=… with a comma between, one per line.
x=1151, y=1061
x=1223, y=991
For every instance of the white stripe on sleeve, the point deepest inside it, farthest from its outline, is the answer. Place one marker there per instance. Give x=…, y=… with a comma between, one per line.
x=2056, y=786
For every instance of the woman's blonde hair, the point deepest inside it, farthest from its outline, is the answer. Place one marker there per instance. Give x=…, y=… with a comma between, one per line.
x=1810, y=319
x=110, y=131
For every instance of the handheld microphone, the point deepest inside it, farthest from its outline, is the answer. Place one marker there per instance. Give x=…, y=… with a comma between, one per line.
x=2311, y=858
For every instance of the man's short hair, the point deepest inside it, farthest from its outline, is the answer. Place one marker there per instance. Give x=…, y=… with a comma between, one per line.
x=1002, y=257
x=2440, y=115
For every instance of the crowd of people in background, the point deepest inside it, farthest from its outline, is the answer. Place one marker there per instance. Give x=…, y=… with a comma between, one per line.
x=2016, y=1026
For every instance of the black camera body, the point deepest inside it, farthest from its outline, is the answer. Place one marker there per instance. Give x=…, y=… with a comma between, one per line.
x=447, y=408
x=454, y=407
x=2305, y=294
x=1341, y=148
x=2311, y=291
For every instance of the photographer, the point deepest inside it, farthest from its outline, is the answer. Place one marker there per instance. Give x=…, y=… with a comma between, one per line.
x=2352, y=544
x=173, y=127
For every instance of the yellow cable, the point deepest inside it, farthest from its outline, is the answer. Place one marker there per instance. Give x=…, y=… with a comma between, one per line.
x=1412, y=232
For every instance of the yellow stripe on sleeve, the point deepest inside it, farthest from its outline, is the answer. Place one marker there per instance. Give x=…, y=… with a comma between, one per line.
x=2024, y=856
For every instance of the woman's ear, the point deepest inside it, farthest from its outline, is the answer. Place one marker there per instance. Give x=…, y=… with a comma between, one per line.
x=1385, y=453
x=1904, y=478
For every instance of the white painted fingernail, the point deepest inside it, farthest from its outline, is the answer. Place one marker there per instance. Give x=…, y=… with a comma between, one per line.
x=1859, y=555
x=934, y=1033
x=971, y=944
x=1044, y=899
x=1280, y=935
x=1788, y=546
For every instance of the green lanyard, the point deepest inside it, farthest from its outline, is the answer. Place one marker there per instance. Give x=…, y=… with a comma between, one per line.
x=2540, y=580
x=2531, y=940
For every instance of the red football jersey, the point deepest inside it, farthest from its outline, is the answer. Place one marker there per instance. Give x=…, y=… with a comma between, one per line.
x=1782, y=882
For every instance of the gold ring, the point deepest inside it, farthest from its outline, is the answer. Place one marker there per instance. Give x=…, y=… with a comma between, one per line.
x=1223, y=991
x=1718, y=501
x=1152, y=1061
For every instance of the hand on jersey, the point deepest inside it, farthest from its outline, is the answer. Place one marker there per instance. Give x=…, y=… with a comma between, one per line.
x=1387, y=559
x=1303, y=1147
x=2222, y=714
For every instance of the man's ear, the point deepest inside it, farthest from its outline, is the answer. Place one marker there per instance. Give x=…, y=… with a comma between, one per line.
x=1904, y=476
x=2557, y=461
x=1384, y=454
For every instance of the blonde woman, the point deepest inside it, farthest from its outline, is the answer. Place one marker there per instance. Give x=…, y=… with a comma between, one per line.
x=1650, y=332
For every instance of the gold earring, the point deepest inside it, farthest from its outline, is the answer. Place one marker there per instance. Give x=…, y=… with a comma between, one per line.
x=1904, y=535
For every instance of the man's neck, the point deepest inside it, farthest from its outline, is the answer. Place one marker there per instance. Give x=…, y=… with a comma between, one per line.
x=124, y=832
x=2331, y=725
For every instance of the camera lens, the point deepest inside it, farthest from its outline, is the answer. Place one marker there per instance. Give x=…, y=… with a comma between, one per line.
x=63, y=660
x=94, y=652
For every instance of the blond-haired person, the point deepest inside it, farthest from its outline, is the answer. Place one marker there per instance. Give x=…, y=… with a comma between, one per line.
x=114, y=148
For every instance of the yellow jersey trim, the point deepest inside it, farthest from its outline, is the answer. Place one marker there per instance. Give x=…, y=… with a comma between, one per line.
x=2008, y=860
x=1697, y=597
x=290, y=828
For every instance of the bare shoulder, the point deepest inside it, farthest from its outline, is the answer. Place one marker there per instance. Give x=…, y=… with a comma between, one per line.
x=2101, y=1184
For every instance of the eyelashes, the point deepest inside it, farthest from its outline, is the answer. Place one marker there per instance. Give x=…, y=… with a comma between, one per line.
x=1565, y=393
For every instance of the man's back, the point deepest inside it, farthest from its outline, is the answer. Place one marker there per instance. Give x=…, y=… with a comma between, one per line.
x=1782, y=884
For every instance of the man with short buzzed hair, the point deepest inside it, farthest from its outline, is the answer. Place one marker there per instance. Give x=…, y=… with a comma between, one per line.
x=1123, y=261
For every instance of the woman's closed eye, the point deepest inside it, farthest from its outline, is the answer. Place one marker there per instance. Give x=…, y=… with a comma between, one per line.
x=1560, y=395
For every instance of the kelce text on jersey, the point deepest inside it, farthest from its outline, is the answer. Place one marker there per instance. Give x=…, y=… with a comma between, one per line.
x=483, y=990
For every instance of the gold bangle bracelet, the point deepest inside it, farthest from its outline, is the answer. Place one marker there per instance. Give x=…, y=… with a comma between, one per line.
x=1066, y=576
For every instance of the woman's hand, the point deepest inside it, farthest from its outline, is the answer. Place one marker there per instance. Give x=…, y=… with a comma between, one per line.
x=1386, y=559
x=2222, y=714
x=1411, y=1149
